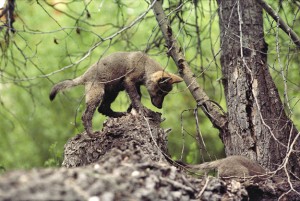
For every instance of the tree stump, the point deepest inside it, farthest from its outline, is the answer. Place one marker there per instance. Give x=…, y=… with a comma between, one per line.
x=137, y=138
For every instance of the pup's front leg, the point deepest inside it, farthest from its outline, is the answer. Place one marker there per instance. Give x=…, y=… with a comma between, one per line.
x=134, y=94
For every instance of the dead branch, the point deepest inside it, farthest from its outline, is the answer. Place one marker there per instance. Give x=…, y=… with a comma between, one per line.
x=288, y=30
x=174, y=50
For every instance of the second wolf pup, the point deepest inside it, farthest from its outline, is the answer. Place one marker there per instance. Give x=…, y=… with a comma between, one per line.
x=114, y=73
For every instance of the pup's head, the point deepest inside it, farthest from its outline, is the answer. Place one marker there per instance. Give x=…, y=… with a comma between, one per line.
x=159, y=85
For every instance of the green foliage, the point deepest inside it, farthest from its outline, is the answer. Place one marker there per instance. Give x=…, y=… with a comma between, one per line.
x=61, y=42
x=2, y=169
x=55, y=156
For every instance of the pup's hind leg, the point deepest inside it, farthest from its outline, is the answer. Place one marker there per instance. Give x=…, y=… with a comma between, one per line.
x=94, y=93
x=105, y=105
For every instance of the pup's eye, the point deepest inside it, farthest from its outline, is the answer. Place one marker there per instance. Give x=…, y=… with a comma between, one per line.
x=160, y=92
x=164, y=80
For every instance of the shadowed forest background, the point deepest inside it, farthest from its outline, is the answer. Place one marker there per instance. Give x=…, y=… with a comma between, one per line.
x=59, y=39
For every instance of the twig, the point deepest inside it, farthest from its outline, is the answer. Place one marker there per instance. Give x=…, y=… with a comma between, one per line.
x=199, y=137
x=89, y=51
x=288, y=30
x=204, y=187
x=177, y=184
x=284, y=166
x=168, y=158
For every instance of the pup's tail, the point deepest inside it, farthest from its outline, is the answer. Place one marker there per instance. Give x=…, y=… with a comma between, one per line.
x=64, y=85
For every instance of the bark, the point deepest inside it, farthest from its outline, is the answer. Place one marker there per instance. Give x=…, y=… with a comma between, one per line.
x=127, y=161
x=257, y=124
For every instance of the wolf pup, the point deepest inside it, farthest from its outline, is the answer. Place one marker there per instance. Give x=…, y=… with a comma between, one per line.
x=114, y=73
x=232, y=166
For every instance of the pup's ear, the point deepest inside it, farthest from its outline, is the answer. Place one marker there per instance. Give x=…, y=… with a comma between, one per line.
x=164, y=77
x=175, y=78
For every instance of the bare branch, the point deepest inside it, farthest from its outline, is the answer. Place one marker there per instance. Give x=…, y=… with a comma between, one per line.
x=174, y=50
x=288, y=30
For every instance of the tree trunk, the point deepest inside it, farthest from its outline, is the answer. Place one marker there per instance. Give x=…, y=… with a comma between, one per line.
x=257, y=124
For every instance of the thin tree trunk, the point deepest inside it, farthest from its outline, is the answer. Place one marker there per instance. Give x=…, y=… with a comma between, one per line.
x=211, y=110
x=257, y=124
